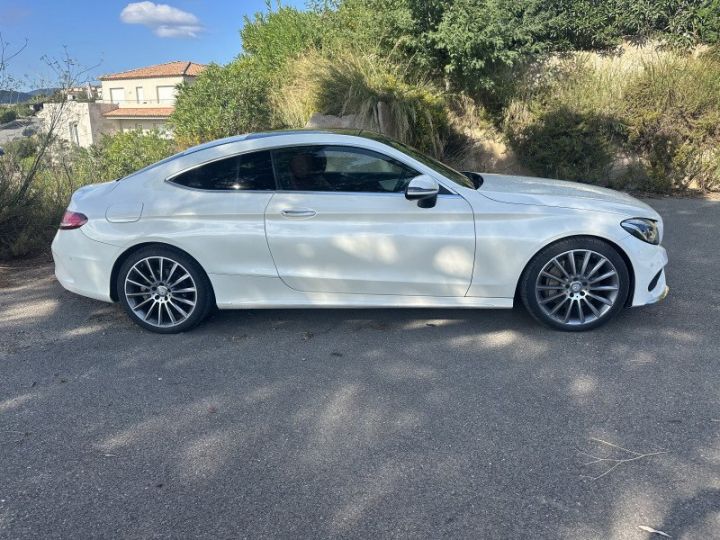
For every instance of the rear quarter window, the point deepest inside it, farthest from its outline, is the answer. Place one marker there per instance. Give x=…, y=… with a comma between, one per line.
x=244, y=172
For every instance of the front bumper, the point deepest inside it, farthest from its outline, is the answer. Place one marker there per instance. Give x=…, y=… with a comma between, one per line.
x=82, y=265
x=648, y=264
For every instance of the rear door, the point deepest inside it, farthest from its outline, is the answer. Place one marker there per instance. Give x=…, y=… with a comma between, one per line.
x=341, y=224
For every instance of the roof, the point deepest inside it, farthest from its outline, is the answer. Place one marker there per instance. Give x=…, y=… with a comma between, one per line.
x=306, y=131
x=273, y=133
x=140, y=112
x=180, y=68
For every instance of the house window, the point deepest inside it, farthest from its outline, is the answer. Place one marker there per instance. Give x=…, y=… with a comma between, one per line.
x=140, y=94
x=74, y=136
x=166, y=95
x=139, y=127
x=117, y=95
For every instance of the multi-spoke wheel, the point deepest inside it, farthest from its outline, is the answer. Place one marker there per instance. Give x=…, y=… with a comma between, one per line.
x=163, y=290
x=576, y=284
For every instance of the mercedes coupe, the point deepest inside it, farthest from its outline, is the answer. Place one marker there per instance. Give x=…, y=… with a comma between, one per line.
x=351, y=219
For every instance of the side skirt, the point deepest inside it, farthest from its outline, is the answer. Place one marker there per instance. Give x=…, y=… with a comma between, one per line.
x=233, y=292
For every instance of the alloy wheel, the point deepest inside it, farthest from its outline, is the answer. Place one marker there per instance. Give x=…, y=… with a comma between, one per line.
x=577, y=287
x=160, y=291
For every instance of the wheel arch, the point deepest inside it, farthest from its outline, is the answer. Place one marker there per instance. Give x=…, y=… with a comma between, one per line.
x=137, y=247
x=615, y=245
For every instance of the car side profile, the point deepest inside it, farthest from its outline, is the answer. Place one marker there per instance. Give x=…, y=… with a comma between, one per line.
x=329, y=218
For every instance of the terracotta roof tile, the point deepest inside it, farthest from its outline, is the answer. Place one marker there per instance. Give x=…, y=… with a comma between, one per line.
x=140, y=112
x=169, y=69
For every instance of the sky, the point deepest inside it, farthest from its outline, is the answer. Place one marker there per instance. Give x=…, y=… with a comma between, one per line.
x=116, y=36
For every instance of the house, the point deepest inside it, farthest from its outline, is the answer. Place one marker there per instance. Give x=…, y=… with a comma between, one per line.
x=138, y=99
x=83, y=93
x=145, y=97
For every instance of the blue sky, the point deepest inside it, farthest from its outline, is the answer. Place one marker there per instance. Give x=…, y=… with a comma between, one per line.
x=123, y=35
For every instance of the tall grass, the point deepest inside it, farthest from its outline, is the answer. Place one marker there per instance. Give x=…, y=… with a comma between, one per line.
x=374, y=91
x=646, y=118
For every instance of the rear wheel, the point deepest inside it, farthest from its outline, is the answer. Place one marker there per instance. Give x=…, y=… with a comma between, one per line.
x=576, y=284
x=164, y=290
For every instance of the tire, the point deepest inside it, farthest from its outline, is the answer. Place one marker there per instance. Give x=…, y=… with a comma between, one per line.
x=164, y=290
x=576, y=284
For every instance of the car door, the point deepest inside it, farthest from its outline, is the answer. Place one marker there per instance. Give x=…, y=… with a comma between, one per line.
x=341, y=224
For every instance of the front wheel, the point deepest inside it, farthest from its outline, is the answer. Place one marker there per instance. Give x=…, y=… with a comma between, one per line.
x=576, y=284
x=163, y=290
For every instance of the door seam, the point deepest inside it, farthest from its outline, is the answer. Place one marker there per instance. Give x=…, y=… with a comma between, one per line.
x=267, y=241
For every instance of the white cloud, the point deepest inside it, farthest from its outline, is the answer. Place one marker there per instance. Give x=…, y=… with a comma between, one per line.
x=165, y=21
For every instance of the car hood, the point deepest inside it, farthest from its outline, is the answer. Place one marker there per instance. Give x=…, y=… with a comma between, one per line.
x=545, y=192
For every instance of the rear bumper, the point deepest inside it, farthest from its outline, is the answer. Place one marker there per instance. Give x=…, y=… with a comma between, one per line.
x=648, y=264
x=82, y=265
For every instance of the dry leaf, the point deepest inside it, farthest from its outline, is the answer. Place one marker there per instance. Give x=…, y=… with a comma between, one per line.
x=653, y=531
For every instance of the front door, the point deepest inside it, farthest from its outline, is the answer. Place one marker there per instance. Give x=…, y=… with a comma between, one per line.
x=341, y=224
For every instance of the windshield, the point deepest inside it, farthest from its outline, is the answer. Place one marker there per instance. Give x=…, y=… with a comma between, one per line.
x=437, y=166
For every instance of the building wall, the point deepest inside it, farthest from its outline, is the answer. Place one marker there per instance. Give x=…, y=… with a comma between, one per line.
x=129, y=97
x=78, y=123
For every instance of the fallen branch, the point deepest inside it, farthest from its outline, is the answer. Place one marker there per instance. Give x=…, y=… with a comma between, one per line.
x=615, y=461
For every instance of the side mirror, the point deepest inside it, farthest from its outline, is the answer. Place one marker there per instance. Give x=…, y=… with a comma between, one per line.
x=424, y=190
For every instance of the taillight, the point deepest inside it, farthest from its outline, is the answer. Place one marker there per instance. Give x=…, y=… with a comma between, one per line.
x=73, y=220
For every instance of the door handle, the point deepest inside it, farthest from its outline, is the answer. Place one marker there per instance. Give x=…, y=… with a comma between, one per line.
x=298, y=212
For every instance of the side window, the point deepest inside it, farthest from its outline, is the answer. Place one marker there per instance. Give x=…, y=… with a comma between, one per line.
x=244, y=172
x=340, y=168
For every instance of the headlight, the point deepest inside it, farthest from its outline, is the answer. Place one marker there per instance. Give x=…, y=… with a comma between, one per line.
x=642, y=228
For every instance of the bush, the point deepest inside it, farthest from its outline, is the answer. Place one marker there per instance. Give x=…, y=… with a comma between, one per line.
x=272, y=38
x=33, y=196
x=645, y=119
x=35, y=190
x=569, y=145
x=120, y=154
x=471, y=44
x=22, y=148
x=566, y=124
x=8, y=115
x=223, y=101
x=673, y=108
x=370, y=88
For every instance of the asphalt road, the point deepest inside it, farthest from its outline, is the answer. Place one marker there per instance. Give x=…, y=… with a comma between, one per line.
x=365, y=424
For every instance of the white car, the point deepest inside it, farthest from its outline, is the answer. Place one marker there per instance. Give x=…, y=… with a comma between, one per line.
x=298, y=219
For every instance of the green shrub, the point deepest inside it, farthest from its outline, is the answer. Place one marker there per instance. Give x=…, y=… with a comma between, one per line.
x=35, y=190
x=569, y=145
x=272, y=38
x=673, y=109
x=223, y=101
x=23, y=147
x=7, y=115
x=471, y=44
x=566, y=123
x=370, y=88
x=32, y=199
x=123, y=153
